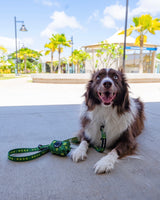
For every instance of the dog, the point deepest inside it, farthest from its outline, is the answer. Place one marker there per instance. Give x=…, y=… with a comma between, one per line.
x=108, y=104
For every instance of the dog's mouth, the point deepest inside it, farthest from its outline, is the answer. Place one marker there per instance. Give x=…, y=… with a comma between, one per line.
x=107, y=97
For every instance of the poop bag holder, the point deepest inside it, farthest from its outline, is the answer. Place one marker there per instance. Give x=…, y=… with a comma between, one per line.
x=61, y=148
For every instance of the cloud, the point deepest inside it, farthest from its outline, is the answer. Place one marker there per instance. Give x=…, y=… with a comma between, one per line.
x=27, y=41
x=47, y=3
x=60, y=21
x=146, y=6
x=108, y=22
x=94, y=16
x=56, y=4
x=115, y=11
x=9, y=43
x=111, y=14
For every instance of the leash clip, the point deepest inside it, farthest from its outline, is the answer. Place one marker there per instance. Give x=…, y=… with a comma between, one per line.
x=103, y=137
x=41, y=147
x=101, y=127
x=103, y=146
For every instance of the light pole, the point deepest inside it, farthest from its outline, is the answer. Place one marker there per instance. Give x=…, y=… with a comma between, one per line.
x=23, y=29
x=72, y=50
x=19, y=60
x=125, y=34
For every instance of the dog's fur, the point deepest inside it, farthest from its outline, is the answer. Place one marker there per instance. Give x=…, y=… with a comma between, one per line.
x=107, y=103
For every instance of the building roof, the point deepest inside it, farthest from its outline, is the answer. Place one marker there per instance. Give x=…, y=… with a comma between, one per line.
x=116, y=38
x=119, y=39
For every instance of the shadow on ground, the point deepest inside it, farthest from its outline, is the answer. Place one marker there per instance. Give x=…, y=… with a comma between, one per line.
x=53, y=177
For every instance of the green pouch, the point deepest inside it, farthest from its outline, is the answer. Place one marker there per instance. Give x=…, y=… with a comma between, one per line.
x=61, y=148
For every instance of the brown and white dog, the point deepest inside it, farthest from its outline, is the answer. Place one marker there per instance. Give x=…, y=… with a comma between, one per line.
x=107, y=103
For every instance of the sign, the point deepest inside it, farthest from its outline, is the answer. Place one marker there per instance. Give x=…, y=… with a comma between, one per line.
x=144, y=48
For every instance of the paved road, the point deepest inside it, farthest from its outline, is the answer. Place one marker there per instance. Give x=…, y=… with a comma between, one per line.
x=31, y=114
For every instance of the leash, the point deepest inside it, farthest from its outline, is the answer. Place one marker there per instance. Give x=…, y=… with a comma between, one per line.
x=61, y=148
x=103, y=139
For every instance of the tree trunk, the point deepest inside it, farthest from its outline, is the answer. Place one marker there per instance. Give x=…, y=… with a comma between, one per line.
x=51, y=69
x=59, y=64
x=78, y=70
x=141, y=55
x=76, y=67
x=25, y=67
x=141, y=60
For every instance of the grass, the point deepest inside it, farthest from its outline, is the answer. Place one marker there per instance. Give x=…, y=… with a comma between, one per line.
x=10, y=76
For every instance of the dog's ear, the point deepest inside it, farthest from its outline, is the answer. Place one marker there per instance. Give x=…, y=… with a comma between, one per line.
x=89, y=97
x=125, y=102
x=120, y=69
x=90, y=94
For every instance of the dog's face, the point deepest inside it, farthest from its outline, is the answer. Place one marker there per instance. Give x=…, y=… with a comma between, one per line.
x=107, y=87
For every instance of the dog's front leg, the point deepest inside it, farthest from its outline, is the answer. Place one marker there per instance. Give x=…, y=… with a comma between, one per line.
x=125, y=146
x=106, y=163
x=81, y=152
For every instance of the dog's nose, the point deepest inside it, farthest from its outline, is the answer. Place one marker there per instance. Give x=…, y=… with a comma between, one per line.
x=107, y=84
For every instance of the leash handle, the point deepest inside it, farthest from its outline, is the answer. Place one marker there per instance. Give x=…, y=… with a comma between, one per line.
x=43, y=149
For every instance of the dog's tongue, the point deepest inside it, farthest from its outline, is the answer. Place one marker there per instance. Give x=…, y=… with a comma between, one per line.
x=106, y=99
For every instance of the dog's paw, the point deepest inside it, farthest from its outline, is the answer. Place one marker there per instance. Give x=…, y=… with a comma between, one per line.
x=106, y=164
x=103, y=166
x=78, y=155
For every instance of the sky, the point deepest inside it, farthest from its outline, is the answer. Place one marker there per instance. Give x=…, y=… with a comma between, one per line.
x=88, y=21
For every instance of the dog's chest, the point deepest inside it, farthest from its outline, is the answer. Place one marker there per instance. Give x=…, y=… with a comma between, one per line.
x=114, y=124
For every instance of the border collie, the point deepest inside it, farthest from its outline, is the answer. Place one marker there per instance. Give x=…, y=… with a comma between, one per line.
x=107, y=102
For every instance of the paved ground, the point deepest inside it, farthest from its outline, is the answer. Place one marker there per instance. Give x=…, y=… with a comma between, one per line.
x=32, y=114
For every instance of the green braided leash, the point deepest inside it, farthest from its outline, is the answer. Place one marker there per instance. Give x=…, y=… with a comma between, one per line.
x=26, y=150
x=61, y=148
x=103, y=139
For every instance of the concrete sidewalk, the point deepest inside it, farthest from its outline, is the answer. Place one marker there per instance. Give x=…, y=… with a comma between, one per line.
x=32, y=114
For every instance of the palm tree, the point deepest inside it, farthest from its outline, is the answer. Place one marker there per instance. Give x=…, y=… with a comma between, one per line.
x=52, y=46
x=75, y=58
x=3, y=61
x=26, y=54
x=3, y=49
x=143, y=25
x=60, y=40
x=78, y=57
x=83, y=57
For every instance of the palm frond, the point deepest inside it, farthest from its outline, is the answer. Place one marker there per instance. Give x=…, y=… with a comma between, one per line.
x=47, y=52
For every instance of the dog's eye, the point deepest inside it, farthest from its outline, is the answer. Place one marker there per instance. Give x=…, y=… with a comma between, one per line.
x=115, y=77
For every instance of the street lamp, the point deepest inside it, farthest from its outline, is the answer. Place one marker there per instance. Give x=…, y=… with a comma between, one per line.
x=125, y=34
x=71, y=42
x=23, y=29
